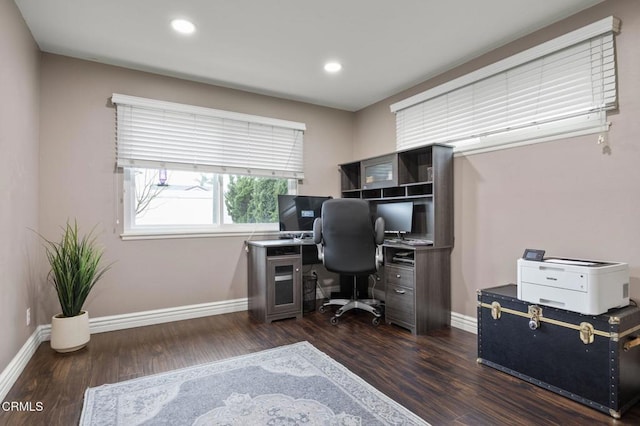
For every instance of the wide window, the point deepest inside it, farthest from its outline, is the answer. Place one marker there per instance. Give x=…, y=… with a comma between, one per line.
x=561, y=88
x=191, y=170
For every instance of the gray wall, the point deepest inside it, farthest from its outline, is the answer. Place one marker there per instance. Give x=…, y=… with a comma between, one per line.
x=565, y=196
x=77, y=180
x=19, y=118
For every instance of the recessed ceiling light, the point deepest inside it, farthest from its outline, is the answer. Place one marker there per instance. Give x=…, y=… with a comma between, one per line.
x=183, y=26
x=332, y=66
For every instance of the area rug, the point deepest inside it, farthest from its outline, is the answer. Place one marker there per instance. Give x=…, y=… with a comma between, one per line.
x=289, y=385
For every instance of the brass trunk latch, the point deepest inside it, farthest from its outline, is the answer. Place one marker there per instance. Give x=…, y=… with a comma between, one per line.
x=632, y=343
x=495, y=310
x=535, y=312
x=586, y=333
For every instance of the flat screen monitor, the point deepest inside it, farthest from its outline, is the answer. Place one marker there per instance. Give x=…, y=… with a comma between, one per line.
x=296, y=213
x=397, y=216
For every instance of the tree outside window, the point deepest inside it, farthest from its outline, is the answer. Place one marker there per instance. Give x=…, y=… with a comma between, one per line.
x=253, y=199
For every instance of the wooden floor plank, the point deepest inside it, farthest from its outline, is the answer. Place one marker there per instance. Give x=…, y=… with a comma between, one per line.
x=435, y=376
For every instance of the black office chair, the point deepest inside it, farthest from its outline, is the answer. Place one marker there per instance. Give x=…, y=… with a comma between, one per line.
x=349, y=243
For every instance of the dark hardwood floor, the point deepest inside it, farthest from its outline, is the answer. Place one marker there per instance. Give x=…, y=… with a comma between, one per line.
x=435, y=376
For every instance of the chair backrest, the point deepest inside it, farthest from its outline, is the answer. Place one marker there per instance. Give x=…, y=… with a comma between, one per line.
x=348, y=237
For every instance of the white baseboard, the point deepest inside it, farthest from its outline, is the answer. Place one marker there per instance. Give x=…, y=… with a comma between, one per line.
x=111, y=323
x=11, y=373
x=139, y=319
x=158, y=316
x=464, y=322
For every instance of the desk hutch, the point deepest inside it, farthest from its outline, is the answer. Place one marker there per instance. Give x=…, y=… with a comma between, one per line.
x=418, y=291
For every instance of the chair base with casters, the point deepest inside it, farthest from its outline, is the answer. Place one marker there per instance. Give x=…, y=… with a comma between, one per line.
x=370, y=305
x=375, y=306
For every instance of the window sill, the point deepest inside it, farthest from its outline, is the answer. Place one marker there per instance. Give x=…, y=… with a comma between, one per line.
x=163, y=235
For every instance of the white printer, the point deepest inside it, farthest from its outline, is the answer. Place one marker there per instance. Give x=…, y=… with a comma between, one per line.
x=585, y=286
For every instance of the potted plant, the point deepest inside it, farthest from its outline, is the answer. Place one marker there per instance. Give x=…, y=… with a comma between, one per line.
x=75, y=269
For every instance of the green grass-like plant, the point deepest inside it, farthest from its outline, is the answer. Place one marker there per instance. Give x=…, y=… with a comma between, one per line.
x=75, y=267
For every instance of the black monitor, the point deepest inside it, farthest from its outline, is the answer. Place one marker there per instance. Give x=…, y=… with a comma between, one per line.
x=296, y=213
x=397, y=216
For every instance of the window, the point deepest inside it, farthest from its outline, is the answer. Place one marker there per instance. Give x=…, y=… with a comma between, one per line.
x=191, y=170
x=561, y=88
x=160, y=201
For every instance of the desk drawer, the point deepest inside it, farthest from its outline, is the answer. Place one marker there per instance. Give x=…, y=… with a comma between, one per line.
x=398, y=276
x=399, y=305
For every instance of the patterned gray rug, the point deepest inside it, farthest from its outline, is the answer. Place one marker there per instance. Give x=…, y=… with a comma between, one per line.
x=290, y=385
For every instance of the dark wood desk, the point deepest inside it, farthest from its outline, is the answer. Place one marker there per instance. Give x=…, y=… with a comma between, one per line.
x=417, y=295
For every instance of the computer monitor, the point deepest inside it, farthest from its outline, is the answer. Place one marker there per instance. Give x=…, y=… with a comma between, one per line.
x=296, y=213
x=397, y=216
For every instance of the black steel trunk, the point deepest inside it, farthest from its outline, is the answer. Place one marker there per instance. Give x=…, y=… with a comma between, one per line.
x=548, y=349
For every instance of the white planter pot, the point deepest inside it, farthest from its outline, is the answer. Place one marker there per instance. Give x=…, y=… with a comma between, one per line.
x=69, y=334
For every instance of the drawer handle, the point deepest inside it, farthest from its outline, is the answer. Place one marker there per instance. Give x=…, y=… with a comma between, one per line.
x=397, y=275
x=399, y=291
x=278, y=278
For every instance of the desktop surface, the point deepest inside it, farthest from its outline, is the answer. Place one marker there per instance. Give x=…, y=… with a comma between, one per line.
x=309, y=241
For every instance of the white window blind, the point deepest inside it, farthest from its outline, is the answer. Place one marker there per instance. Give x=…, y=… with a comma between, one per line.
x=562, y=87
x=157, y=134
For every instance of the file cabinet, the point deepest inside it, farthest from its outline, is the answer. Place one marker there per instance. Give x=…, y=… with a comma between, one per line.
x=417, y=287
x=274, y=280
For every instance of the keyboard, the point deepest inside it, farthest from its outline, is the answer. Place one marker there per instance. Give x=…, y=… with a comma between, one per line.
x=410, y=242
x=416, y=242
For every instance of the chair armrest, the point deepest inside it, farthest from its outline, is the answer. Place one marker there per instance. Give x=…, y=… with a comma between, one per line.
x=317, y=231
x=378, y=229
x=317, y=238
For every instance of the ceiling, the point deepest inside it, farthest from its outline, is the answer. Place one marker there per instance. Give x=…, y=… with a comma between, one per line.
x=279, y=47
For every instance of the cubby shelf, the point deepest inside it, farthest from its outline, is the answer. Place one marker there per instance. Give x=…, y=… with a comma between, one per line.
x=423, y=175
